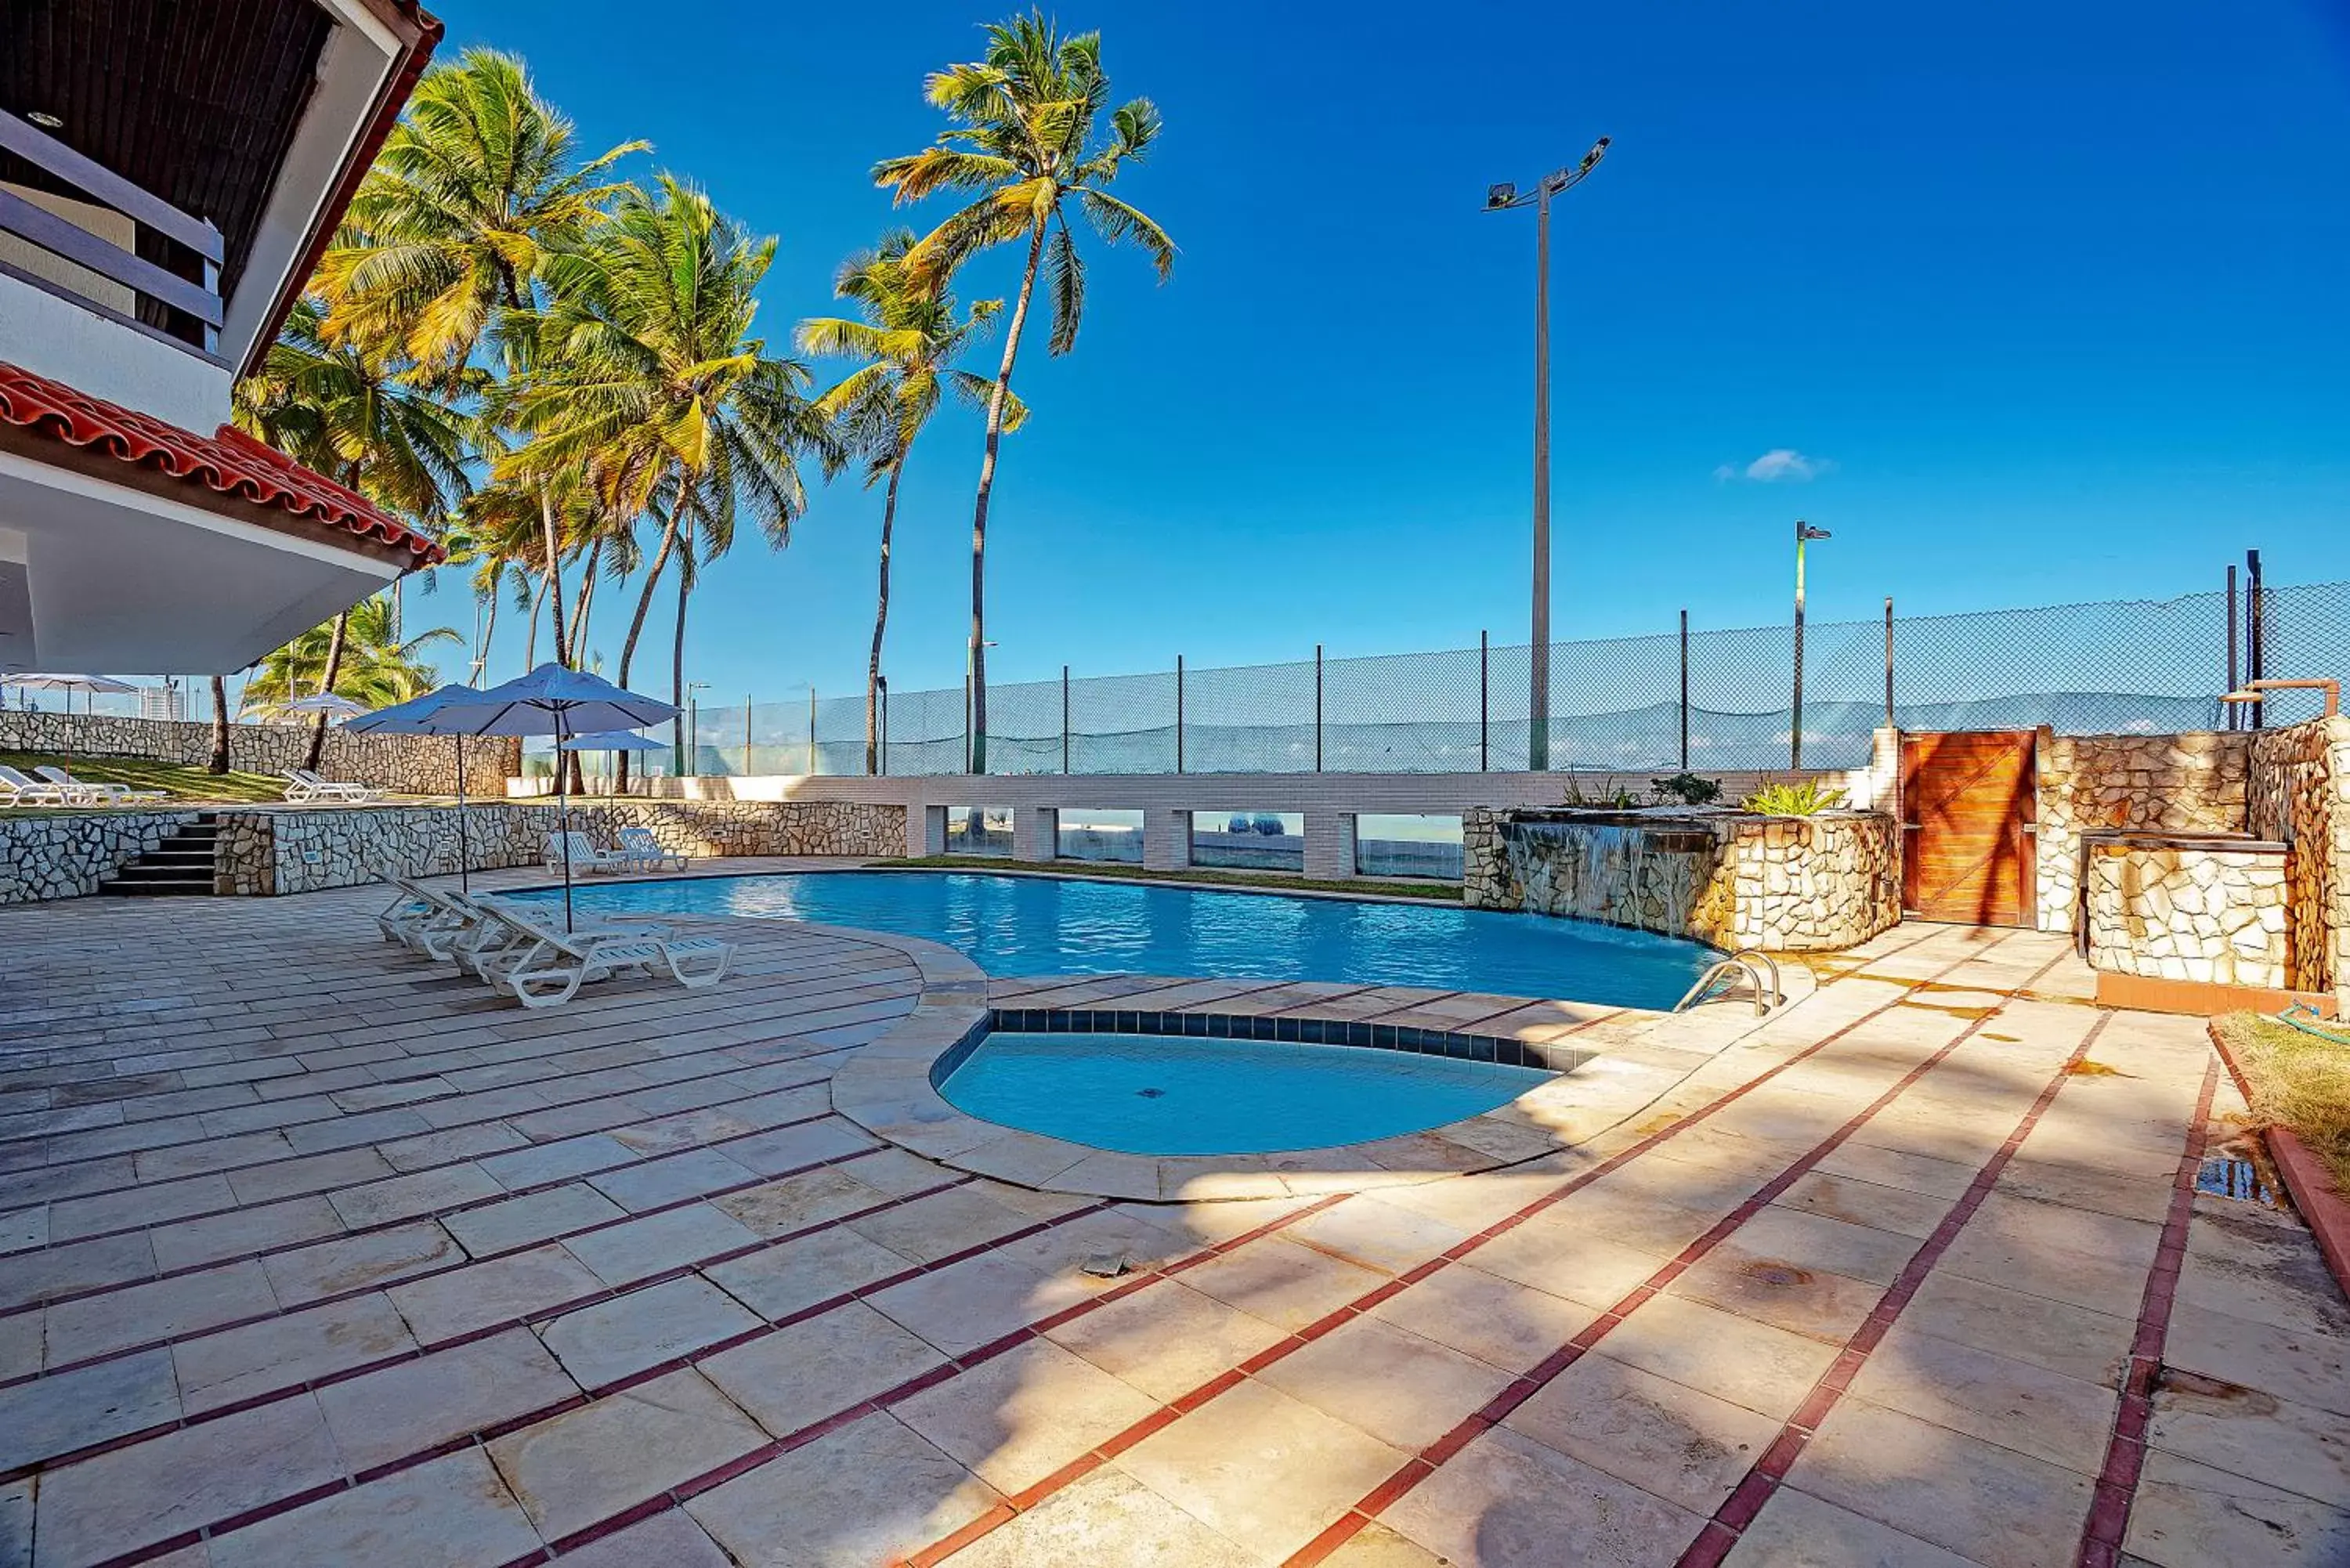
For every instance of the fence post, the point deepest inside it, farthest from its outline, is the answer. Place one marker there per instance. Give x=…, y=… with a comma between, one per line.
x=2255, y=632
x=1684, y=690
x=1888, y=661
x=1179, y=712
x=1064, y=719
x=813, y=769
x=2235, y=716
x=746, y=734
x=1484, y=702
x=1317, y=707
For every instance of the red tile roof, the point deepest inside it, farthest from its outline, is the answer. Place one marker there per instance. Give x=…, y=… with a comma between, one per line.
x=228, y=462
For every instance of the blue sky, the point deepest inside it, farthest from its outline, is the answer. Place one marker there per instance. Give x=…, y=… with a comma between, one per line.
x=2050, y=297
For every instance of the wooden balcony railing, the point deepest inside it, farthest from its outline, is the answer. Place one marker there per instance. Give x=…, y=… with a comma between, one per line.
x=178, y=296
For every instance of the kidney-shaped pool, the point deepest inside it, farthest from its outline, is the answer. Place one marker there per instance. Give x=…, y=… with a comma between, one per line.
x=1058, y=925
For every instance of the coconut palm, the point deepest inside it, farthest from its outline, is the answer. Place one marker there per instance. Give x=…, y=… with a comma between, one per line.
x=909, y=338
x=356, y=415
x=370, y=663
x=645, y=380
x=475, y=186
x=1027, y=136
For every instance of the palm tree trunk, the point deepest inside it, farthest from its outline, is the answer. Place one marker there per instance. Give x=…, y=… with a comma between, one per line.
x=677, y=668
x=327, y=684
x=995, y=402
x=636, y=630
x=530, y=638
x=219, y=763
x=578, y=641
x=489, y=632
x=880, y=622
x=554, y=547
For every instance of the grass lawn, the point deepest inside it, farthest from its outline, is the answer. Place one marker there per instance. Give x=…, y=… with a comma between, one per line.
x=1433, y=891
x=185, y=784
x=2298, y=1081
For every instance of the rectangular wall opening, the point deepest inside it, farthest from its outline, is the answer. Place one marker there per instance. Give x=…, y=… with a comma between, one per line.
x=1087, y=833
x=1248, y=840
x=979, y=830
x=1407, y=845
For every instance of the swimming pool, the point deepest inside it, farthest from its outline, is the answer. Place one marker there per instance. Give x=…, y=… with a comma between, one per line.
x=1051, y=925
x=1158, y=1094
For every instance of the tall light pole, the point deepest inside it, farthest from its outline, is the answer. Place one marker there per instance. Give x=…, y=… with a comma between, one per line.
x=1805, y=533
x=1502, y=199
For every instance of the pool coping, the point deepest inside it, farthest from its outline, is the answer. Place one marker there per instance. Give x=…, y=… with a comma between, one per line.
x=887, y=1087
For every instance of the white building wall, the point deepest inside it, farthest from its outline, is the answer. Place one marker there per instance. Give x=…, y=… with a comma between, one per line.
x=57, y=338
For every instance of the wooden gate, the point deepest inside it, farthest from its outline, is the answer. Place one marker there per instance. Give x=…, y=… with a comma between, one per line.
x=1968, y=812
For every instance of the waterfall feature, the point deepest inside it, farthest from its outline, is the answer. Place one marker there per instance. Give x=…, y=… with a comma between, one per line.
x=1622, y=871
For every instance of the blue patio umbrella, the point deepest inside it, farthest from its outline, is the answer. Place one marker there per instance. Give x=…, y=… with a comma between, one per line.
x=611, y=740
x=564, y=703
x=421, y=716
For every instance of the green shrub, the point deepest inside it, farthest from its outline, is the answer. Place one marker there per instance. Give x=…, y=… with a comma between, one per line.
x=1689, y=789
x=1808, y=798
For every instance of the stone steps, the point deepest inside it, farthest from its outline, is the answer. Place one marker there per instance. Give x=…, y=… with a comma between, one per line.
x=182, y=866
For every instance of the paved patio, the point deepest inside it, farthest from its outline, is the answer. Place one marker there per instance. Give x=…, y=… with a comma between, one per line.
x=311, y=1254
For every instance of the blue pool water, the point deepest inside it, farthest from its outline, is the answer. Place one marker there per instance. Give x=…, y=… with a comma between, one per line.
x=1158, y=1094
x=1045, y=925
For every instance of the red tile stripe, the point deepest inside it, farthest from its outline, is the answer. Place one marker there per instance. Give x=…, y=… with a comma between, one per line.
x=1768, y=1472
x=2109, y=1511
x=1409, y=1475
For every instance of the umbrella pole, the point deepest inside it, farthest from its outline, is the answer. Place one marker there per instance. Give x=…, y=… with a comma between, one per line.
x=563, y=817
x=464, y=850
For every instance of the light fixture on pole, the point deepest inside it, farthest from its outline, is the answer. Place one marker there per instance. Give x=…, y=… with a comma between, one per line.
x=1502, y=199
x=1805, y=533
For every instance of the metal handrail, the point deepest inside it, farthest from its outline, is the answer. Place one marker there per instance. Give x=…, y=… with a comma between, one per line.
x=1750, y=962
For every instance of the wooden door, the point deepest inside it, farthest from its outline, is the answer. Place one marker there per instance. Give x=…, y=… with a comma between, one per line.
x=1968, y=812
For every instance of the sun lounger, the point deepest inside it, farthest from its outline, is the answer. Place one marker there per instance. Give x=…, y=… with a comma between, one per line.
x=642, y=851
x=17, y=789
x=550, y=969
x=85, y=792
x=304, y=787
x=585, y=856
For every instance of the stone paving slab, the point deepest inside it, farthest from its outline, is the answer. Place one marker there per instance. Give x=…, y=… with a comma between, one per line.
x=402, y=1274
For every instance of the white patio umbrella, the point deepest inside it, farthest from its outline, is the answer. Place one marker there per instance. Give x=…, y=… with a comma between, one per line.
x=30, y=681
x=421, y=716
x=333, y=704
x=611, y=740
x=553, y=700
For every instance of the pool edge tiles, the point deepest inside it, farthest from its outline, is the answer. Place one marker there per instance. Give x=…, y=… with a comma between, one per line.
x=893, y=1093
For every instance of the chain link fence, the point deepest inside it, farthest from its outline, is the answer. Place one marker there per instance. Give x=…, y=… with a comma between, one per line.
x=1711, y=700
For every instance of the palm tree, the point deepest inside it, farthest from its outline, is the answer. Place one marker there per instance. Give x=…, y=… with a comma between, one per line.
x=358, y=417
x=370, y=664
x=1026, y=135
x=219, y=761
x=474, y=187
x=909, y=339
x=645, y=380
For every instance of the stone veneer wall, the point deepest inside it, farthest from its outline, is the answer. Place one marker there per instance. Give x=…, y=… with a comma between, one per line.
x=295, y=851
x=2179, y=912
x=2192, y=783
x=68, y=855
x=2299, y=796
x=1782, y=884
x=405, y=764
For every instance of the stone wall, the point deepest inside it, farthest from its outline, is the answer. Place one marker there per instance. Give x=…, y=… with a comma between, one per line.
x=2202, y=912
x=2193, y=783
x=66, y=855
x=2300, y=796
x=405, y=764
x=278, y=851
x=1730, y=878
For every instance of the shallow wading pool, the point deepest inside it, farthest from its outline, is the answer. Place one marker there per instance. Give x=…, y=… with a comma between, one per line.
x=1058, y=925
x=1158, y=1094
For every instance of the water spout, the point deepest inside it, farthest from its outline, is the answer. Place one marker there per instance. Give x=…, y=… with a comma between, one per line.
x=1621, y=873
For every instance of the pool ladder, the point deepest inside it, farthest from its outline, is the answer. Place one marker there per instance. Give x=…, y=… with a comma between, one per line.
x=1750, y=962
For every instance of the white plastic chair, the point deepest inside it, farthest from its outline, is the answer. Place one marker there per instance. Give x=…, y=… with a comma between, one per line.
x=545, y=968
x=585, y=856
x=639, y=847
x=19, y=790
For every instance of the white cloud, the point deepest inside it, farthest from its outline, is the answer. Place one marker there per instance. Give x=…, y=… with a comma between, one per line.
x=1781, y=462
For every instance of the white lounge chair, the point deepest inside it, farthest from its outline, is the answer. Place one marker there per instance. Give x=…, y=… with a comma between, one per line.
x=88, y=792
x=549, y=968
x=17, y=789
x=585, y=856
x=304, y=787
x=639, y=848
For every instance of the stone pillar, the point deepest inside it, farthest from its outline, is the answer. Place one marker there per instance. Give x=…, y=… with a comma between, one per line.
x=1035, y=833
x=1329, y=845
x=1165, y=838
x=926, y=830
